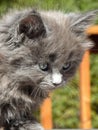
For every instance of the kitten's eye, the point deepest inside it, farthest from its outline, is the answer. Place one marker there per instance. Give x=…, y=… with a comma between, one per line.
x=44, y=67
x=67, y=66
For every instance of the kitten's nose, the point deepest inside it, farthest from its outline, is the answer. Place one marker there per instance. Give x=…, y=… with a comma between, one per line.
x=56, y=78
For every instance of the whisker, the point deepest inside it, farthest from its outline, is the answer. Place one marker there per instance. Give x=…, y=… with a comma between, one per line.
x=36, y=92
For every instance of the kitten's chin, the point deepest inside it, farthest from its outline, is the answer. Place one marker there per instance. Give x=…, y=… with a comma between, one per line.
x=58, y=86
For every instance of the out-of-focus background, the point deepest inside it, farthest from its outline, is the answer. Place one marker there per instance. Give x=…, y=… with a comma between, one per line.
x=66, y=102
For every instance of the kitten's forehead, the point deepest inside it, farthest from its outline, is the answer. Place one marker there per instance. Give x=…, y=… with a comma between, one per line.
x=59, y=45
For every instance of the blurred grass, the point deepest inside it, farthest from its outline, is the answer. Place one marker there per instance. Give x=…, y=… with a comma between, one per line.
x=70, y=5
x=65, y=101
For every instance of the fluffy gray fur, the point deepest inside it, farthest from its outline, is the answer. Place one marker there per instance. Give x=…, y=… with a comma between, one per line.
x=35, y=49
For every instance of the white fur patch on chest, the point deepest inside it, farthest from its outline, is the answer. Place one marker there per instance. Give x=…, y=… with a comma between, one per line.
x=56, y=78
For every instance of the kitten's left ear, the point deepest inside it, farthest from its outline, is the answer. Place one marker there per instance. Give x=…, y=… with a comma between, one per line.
x=80, y=22
x=32, y=26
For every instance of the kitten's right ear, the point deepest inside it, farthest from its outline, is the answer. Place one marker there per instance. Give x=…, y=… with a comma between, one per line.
x=79, y=23
x=32, y=26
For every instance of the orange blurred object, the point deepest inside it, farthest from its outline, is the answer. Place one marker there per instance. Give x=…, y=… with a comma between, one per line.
x=85, y=112
x=46, y=114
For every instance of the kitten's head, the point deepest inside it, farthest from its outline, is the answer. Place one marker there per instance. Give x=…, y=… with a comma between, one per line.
x=49, y=47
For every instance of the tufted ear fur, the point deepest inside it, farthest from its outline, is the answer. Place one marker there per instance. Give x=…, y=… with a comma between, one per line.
x=79, y=23
x=32, y=26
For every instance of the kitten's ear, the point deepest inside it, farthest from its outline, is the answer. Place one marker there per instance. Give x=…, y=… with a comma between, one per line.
x=32, y=26
x=80, y=22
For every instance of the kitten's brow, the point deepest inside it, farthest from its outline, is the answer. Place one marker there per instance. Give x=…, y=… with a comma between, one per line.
x=52, y=57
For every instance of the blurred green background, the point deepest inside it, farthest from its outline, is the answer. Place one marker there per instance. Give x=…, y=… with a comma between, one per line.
x=65, y=102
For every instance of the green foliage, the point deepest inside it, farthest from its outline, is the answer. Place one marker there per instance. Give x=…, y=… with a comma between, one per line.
x=94, y=90
x=70, y=5
x=66, y=101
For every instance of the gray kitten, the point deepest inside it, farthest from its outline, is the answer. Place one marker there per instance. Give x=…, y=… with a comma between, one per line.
x=39, y=52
